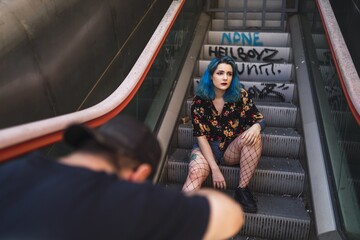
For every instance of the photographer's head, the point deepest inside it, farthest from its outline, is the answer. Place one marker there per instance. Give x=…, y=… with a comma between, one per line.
x=126, y=144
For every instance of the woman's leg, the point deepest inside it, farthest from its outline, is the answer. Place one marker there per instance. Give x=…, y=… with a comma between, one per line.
x=199, y=170
x=245, y=155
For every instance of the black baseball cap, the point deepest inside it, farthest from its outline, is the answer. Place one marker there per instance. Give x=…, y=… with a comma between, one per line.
x=123, y=134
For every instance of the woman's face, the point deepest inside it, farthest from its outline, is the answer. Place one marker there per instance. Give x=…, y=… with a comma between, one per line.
x=222, y=77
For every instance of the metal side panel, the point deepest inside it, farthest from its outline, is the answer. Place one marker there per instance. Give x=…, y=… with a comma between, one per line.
x=320, y=41
x=249, y=15
x=258, y=71
x=218, y=24
x=323, y=55
x=170, y=119
x=273, y=175
x=249, y=38
x=277, y=142
x=248, y=53
x=276, y=114
x=252, y=4
x=266, y=91
x=325, y=221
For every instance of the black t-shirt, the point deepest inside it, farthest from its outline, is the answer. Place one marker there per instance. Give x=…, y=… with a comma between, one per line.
x=43, y=199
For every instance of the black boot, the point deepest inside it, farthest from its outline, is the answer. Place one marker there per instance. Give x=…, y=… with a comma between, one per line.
x=246, y=199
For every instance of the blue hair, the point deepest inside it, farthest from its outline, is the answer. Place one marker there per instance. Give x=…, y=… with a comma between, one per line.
x=205, y=89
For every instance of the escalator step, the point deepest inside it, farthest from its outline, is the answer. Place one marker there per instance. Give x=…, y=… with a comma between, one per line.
x=248, y=53
x=270, y=39
x=273, y=175
x=278, y=217
x=277, y=142
x=276, y=114
x=258, y=71
x=268, y=91
x=218, y=24
x=271, y=5
x=249, y=15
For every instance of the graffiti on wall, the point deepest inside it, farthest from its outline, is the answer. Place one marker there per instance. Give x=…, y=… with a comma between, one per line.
x=268, y=69
x=245, y=54
x=274, y=91
x=243, y=38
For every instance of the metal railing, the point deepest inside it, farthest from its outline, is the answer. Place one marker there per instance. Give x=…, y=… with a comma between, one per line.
x=18, y=140
x=349, y=77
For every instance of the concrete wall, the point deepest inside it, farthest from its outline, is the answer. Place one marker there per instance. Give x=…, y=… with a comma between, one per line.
x=53, y=53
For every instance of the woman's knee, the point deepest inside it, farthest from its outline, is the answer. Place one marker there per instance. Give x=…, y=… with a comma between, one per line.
x=197, y=170
x=258, y=143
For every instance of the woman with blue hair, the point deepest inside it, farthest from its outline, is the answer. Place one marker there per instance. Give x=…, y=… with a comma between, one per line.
x=227, y=126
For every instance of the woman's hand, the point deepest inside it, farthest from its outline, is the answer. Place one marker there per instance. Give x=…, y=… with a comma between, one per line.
x=252, y=135
x=218, y=178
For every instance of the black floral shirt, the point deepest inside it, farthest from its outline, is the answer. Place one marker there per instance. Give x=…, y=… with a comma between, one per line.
x=234, y=119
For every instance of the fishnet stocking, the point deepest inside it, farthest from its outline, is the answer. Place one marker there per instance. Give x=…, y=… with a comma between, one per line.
x=199, y=170
x=247, y=156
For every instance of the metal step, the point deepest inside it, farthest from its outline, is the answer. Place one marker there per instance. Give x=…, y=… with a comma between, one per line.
x=249, y=15
x=258, y=71
x=248, y=53
x=277, y=142
x=249, y=38
x=278, y=217
x=271, y=5
x=266, y=91
x=276, y=114
x=218, y=24
x=273, y=175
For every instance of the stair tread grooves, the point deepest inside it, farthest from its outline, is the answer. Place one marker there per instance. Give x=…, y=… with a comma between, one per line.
x=266, y=163
x=271, y=205
x=274, y=131
x=260, y=102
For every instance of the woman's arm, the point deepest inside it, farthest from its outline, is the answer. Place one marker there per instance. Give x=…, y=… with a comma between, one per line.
x=254, y=118
x=218, y=178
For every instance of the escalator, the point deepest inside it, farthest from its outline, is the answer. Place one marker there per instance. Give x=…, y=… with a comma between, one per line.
x=283, y=62
x=266, y=69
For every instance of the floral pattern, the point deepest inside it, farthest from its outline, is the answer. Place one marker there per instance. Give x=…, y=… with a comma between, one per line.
x=234, y=119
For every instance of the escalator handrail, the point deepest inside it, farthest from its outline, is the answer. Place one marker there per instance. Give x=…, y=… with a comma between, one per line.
x=349, y=78
x=21, y=139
